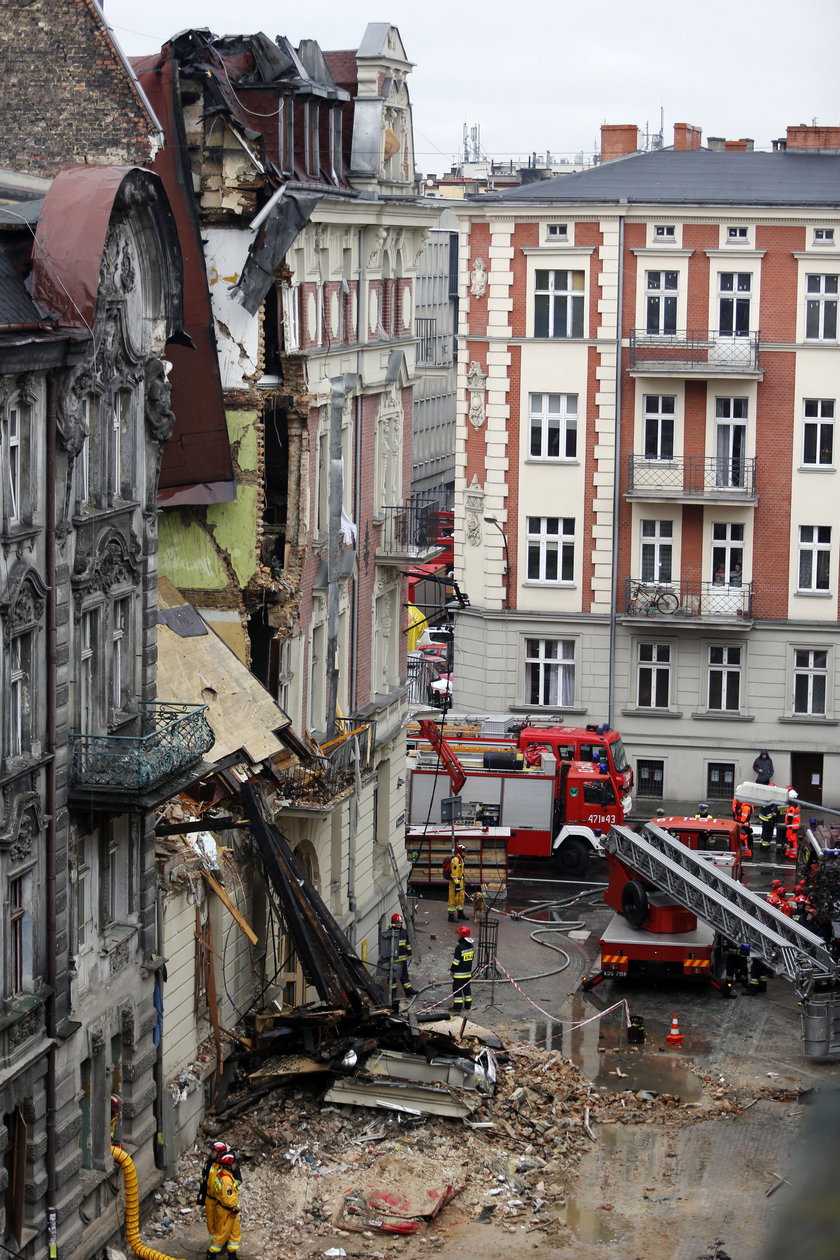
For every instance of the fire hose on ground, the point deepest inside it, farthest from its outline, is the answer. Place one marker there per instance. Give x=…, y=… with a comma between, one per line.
x=132, y=1207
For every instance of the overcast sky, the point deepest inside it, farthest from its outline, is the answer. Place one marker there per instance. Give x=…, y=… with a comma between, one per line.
x=539, y=75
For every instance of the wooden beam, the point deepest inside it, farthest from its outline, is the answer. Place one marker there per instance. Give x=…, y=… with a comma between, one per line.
x=225, y=899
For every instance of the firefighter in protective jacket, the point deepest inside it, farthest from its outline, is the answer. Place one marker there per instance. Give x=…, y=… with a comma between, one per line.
x=461, y=969
x=396, y=951
x=742, y=812
x=792, y=824
x=223, y=1219
x=455, y=906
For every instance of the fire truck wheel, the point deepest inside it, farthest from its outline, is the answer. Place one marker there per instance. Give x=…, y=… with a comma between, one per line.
x=634, y=903
x=573, y=856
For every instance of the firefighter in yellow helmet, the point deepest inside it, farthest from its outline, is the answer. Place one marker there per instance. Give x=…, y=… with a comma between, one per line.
x=223, y=1190
x=455, y=907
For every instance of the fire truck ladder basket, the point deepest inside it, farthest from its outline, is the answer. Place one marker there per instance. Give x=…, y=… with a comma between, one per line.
x=742, y=917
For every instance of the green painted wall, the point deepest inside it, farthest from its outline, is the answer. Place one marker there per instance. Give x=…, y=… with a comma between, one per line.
x=187, y=554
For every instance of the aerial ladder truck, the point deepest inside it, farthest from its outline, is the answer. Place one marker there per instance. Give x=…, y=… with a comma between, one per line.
x=785, y=947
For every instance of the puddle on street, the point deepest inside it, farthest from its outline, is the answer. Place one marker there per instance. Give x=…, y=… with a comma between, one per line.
x=591, y=1225
x=600, y=1049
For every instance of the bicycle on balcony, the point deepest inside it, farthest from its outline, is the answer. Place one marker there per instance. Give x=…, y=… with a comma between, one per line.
x=647, y=600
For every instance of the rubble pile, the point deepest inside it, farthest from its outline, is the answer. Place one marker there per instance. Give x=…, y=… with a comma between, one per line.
x=314, y=1173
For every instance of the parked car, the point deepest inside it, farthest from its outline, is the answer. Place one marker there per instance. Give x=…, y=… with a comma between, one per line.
x=432, y=636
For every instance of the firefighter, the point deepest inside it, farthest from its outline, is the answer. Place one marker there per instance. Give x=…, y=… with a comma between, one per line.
x=792, y=823
x=217, y=1149
x=461, y=969
x=223, y=1221
x=456, y=884
x=758, y=977
x=776, y=894
x=742, y=813
x=767, y=815
x=396, y=952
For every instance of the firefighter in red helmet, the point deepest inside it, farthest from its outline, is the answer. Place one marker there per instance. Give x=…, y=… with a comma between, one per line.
x=223, y=1222
x=461, y=969
x=394, y=955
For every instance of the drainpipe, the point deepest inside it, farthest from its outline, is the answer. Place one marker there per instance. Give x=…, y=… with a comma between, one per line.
x=361, y=327
x=335, y=496
x=619, y=329
x=50, y=792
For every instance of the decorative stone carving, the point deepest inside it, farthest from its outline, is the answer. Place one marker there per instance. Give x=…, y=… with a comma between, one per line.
x=25, y=823
x=422, y=242
x=97, y=1041
x=22, y=605
x=160, y=418
x=375, y=255
x=70, y=421
x=478, y=278
x=24, y=1028
x=476, y=384
x=474, y=511
x=119, y=957
x=114, y=564
x=127, y=1026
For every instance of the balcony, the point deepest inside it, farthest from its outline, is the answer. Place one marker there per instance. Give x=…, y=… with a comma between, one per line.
x=332, y=773
x=144, y=769
x=680, y=603
x=409, y=533
x=691, y=479
x=693, y=353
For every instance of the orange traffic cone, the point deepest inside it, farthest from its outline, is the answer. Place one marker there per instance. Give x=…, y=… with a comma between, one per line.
x=675, y=1037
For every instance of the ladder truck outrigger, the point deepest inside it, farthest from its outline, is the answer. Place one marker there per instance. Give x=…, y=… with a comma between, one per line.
x=654, y=859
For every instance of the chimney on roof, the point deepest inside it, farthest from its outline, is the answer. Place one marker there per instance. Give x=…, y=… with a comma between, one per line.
x=686, y=136
x=739, y=146
x=805, y=137
x=617, y=140
x=716, y=143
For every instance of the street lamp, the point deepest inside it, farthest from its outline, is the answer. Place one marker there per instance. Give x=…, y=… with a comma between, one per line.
x=492, y=520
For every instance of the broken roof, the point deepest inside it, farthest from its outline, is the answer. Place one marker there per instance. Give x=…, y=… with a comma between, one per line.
x=197, y=666
x=700, y=176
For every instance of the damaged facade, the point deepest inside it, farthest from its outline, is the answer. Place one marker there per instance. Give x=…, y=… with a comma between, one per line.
x=86, y=751
x=310, y=228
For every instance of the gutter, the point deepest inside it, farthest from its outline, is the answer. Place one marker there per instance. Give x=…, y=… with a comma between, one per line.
x=50, y=873
x=619, y=328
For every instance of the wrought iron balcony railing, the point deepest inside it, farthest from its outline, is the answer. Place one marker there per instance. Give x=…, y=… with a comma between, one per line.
x=678, y=600
x=333, y=769
x=695, y=476
x=172, y=738
x=694, y=351
x=410, y=531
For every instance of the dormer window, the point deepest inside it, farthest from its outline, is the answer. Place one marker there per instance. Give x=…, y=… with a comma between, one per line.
x=737, y=235
x=664, y=232
x=557, y=231
x=823, y=236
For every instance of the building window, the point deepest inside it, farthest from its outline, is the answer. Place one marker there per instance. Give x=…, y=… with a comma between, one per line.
x=20, y=701
x=549, y=672
x=821, y=308
x=558, y=304
x=551, y=549
x=725, y=679
x=12, y=461
x=18, y=488
x=659, y=426
x=731, y=441
x=664, y=232
x=661, y=310
x=557, y=231
x=735, y=289
x=121, y=688
x=818, y=433
x=823, y=236
x=720, y=780
x=814, y=557
x=737, y=235
x=89, y=719
x=554, y=420
x=654, y=678
x=650, y=777
x=810, y=680
x=291, y=317
x=313, y=138
x=21, y=962
x=657, y=550
x=727, y=553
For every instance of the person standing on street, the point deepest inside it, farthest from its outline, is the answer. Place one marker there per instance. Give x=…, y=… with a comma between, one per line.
x=767, y=815
x=455, y=906
x=792, y=824
x=742, y=812
x=461, y=969
x=223, y=1190
x=393, y=960
x=763, y=767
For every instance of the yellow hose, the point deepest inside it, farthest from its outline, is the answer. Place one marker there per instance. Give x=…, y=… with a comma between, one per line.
x=132, y=1207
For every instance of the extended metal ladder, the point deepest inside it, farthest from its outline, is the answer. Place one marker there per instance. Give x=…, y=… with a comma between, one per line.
x=740, y=916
